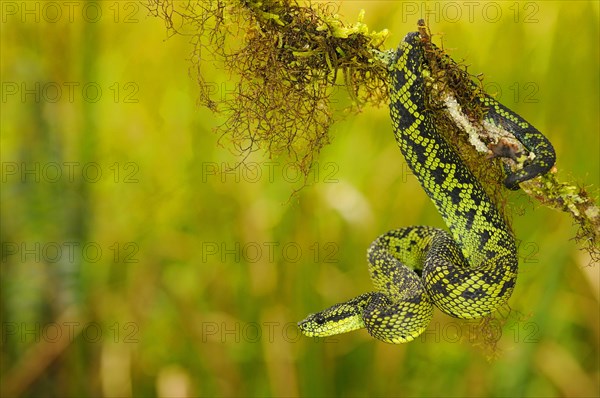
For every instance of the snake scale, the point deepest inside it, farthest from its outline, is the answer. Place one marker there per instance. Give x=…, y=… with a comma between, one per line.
x=468, y=272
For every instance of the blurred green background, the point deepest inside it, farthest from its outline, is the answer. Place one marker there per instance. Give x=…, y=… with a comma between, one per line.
x=135, y=264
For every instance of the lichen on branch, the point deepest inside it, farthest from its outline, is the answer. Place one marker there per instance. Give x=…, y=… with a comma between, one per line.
x=289, y=61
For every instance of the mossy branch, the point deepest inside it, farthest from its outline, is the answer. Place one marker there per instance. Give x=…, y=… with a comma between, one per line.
x=286, y=69
x=572, y=199
x=286, y=66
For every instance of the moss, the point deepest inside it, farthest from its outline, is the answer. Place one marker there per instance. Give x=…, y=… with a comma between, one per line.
x=286, y=70
x=574, y=200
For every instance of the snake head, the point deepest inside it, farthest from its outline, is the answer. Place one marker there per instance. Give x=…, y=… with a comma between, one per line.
x=324, y=323
x=313, y=325
x=339, y=318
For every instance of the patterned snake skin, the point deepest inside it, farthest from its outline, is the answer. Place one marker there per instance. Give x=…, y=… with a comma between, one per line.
x=467, y=273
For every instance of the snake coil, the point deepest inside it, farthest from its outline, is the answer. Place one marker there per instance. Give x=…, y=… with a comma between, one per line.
x=466, y=273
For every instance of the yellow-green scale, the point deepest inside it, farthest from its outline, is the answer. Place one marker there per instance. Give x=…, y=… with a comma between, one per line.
x=468, y=272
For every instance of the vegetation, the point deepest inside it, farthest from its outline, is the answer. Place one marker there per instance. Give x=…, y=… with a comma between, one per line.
x=205, y=268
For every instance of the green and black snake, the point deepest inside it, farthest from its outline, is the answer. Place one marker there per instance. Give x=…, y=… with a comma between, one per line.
x=467, y=273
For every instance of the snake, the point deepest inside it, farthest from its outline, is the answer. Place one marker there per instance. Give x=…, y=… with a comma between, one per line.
x=467, y=272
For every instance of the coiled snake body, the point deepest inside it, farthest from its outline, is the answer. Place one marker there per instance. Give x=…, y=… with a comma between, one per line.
x=467, y=273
